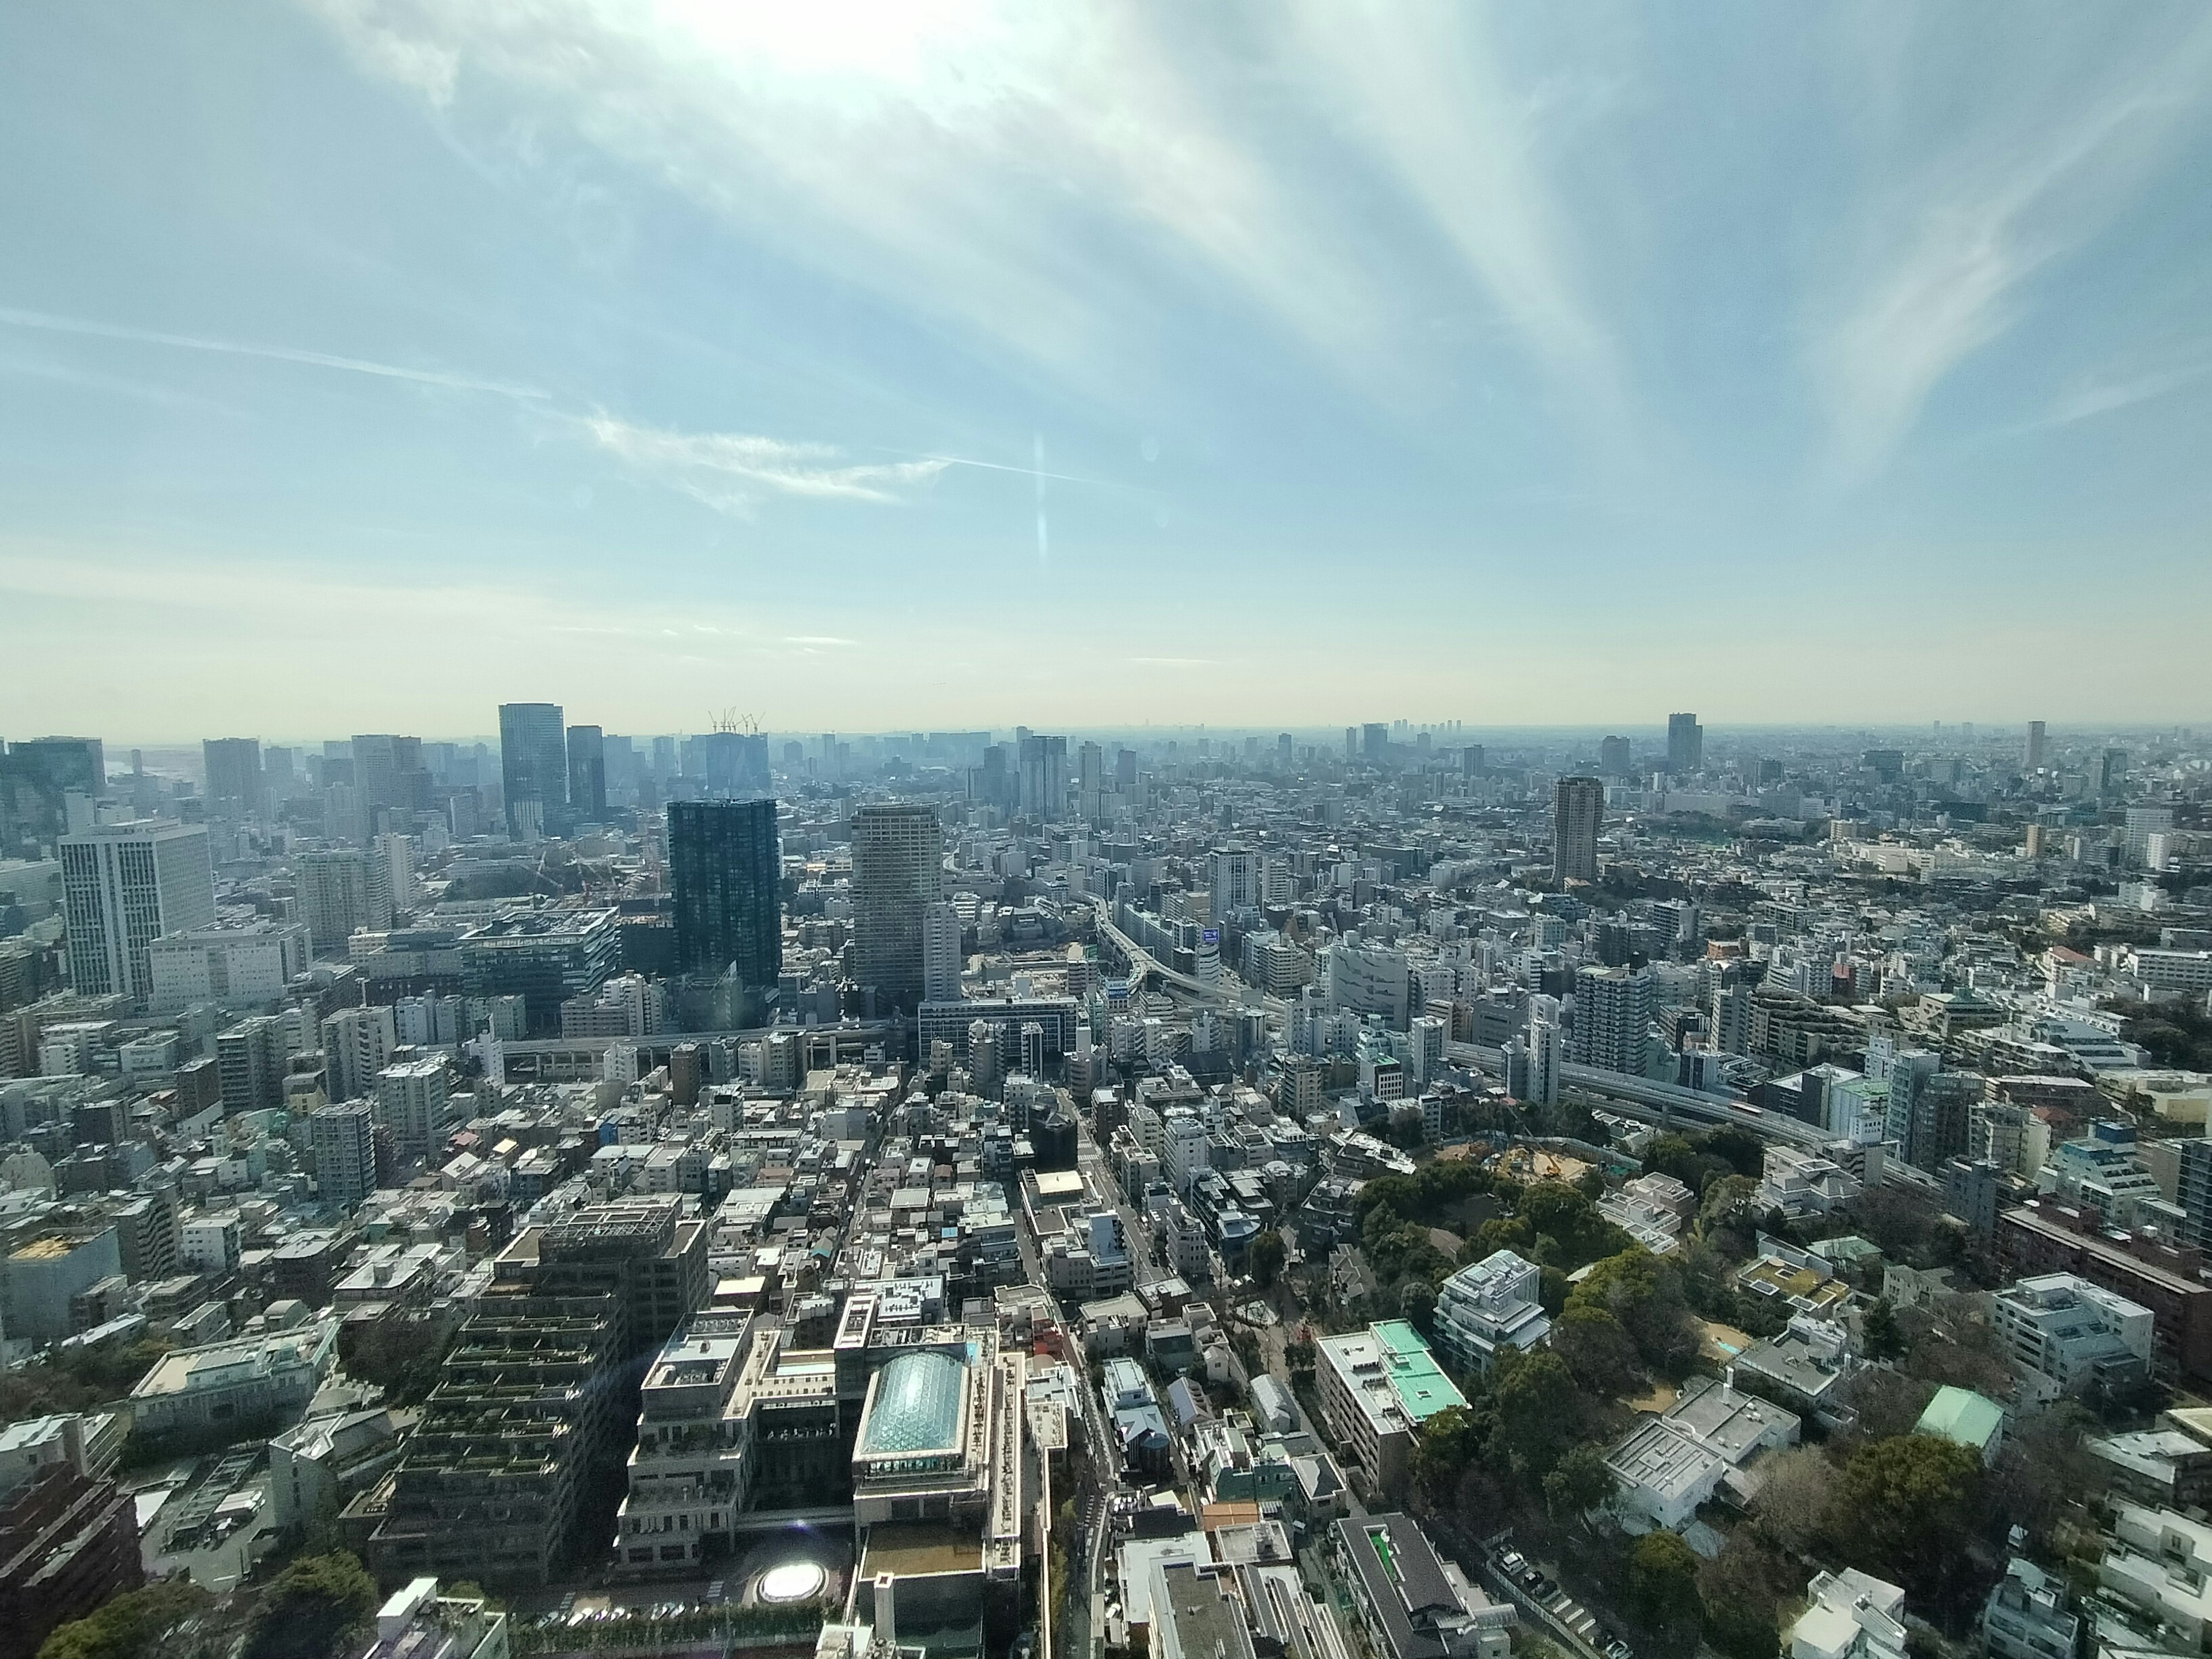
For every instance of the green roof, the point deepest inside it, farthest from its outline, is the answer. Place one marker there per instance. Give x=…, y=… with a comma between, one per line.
x=917, y=1405
x=1962, y=1416
x=1421, y=1388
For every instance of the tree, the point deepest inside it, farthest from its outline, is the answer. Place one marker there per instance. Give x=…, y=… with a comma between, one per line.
x=1539, y=1411
x=1417, y=1306
x=1266, y=1258
x=1662, y=1588
x=1903, y=1505
x=1446, y=1443
x=132, y=1626
x=1884, y=1340
x=1794, y=1497
x=1597, y=1350
x=1726, y=1203
x=308, y=1605
x=1580, y=1484
x=1743, y=1589
x=1645, y=1295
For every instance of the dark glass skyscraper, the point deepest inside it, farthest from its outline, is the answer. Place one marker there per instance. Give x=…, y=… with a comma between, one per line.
x=726, y=868
x=587, y=773
x=533, y=766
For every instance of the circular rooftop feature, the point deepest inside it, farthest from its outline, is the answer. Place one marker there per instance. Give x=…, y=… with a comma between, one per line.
x=917, y=1405
x=794, y=1581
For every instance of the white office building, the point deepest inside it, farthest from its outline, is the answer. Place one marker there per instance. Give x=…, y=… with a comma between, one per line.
x=124, y=885
x=1493, y=1304
x=244, y=967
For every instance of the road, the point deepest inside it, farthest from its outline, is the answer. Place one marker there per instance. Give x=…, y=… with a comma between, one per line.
x=1144, y=965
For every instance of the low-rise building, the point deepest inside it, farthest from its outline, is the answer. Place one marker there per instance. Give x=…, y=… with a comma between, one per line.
x=1377, y=1387
x=1809, y=1368
x=1495, y=1304
x=417, y=1623
x=2161, y=1563
x=2025, y=1616
x=1669, y=1465
x=2070, y=1336
x=1852, y=1615
x=1414, y=1604
x=236, y=1384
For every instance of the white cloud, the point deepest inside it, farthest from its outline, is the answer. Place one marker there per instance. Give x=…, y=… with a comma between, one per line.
x=1421, y=86
x=958, y=157
x=2106, y=397
x=1954, y=224
x=48, y=323
x=730, y=472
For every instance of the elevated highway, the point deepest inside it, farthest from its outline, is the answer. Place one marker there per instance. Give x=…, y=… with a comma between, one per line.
x=1669, y=1103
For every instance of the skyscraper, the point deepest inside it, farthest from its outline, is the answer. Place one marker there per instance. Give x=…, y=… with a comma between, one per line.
x=1044, y=777
x=1612, y=758
x=124, y=885
x=36, y=781
x=942, y=959
x=343, y=891
x=388, y=771
x=233, y=774
x=587, y=773
x=1686, y=744
x=726, y=868
x=1612, y=1018
x=1577, y=809
x=1090, y=783
x=2035, y=744
x=898, y=872
x=533, y=767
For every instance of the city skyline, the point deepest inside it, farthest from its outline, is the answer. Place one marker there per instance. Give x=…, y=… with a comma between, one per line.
x=1689, y=352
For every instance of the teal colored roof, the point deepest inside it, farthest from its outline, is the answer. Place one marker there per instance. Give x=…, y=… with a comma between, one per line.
x=1962, y=1416
x=917, y=1405
x=1421, y=1388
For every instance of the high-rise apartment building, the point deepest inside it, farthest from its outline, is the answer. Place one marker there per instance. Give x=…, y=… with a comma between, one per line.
x=725, y=869
x=1236, y=871
x=342, y=1137
x=233, y=775
x=587, y=773
x=1686, y=744
x=124, y=885
x=413, y=1102
x=2036, y=745
x=942, y=959
x=250, y=1058
x=343, y=891
x=898, y=872
x=1577, y=810
x=1613, y=1008
x=534, y=768
x=357, y=1044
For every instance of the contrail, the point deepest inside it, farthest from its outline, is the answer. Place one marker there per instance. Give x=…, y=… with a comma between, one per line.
x=1044, y=555
x=54, y=325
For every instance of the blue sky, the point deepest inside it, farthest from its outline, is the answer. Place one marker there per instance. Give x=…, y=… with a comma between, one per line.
x=364, y=364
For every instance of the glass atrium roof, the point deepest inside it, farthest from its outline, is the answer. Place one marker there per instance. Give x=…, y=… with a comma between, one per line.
x=917, y=1405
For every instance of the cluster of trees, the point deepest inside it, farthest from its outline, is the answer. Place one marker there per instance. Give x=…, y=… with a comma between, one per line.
x=76, y=1382
x=2178, y=1034
x=303, y=1612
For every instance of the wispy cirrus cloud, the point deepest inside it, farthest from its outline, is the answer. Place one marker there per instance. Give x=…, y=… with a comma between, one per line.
x=1955, y=224
x=963, y=160
x=1421, y=89
x=731, y=472
x=2087, y=403
x=49, y=323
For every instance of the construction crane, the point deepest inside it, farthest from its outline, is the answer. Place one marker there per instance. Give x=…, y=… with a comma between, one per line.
x=730, y=720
